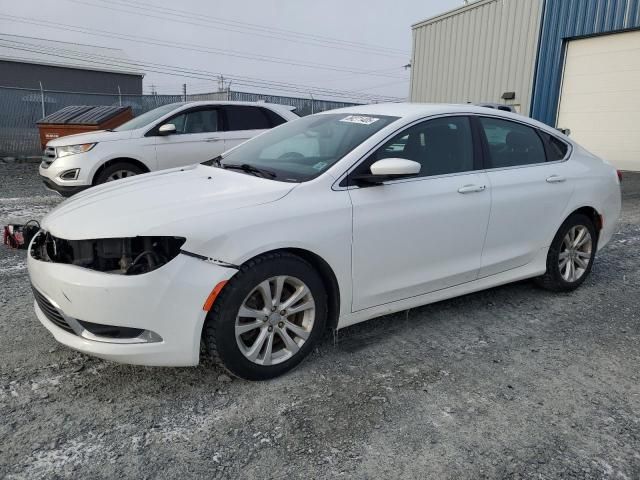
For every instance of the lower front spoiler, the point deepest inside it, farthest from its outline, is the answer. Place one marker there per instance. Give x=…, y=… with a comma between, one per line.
x=65, y=191
x=150, y=354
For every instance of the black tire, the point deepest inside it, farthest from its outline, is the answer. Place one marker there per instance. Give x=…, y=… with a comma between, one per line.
x=104, y=175
x=219, y=331
x=552, y=279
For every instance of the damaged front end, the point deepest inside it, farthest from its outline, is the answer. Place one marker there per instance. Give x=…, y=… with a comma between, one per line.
x=122, y=256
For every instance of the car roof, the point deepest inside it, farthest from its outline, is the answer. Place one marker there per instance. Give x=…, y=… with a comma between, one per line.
x=415, y=111
x=205, y=103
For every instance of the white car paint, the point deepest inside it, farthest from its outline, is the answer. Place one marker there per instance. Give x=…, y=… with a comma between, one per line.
x=391, y=247
x=152, y=151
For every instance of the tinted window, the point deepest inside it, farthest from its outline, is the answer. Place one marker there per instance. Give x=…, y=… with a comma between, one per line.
x=441, y=146
x=556, y=149
x=512, y=144
x=273, y=118
x=246, y=118
x=199, y=121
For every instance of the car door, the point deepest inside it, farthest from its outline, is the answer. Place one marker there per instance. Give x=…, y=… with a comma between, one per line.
x=197, y=138
x=531, y=185
x=417, y=235
x=242, y=122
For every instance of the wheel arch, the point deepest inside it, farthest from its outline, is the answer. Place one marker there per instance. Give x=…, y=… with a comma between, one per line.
x=328, y=278
x=113, y=161
x=326, y=273
x=590, y=212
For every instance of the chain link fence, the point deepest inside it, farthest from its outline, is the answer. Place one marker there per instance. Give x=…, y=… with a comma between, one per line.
x=21, y=108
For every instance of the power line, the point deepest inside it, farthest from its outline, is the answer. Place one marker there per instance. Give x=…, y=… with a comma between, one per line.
x=267, y=28
x=207, y=21
x=183, y=72
x=188, y=46
x=125, y=63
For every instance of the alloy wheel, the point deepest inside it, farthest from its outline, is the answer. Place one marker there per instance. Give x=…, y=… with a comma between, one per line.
x=275, y=320
x=119, y=174
x=575, y=253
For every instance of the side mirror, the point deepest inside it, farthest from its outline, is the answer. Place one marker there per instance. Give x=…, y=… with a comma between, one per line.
x=167, y=129
x=564, y=131
x=389, y=169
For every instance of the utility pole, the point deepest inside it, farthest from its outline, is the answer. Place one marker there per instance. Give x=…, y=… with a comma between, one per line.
x=44, y=113
x=312, y=103
x=184, y=92
x=119, y=96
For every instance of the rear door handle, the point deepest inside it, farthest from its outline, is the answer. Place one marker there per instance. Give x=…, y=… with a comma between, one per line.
x=555, y=179
x=213, y=139
x=471, y=188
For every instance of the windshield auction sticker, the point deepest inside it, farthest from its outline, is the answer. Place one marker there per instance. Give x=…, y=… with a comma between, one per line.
x=361, y=119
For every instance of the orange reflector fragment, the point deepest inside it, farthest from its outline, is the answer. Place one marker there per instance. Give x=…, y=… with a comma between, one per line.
x=213, y=295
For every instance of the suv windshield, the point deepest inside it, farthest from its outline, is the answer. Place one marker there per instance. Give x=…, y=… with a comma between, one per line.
x=301, y=150
x=147, y=118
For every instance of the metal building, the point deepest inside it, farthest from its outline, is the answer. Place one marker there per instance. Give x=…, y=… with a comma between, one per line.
x=477, y=53
x=31, y=63
x=569, y=63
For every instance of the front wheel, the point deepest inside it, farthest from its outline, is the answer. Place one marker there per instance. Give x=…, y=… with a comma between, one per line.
x=117, y=171
x=267, y=317
x=571, y=255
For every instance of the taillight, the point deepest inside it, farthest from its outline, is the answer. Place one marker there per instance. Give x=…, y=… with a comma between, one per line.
x=619, y=172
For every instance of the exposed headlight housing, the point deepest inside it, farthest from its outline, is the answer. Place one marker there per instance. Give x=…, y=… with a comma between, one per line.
x=122, y=256
x=74, y=149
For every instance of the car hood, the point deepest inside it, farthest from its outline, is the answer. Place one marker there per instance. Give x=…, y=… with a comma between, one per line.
x=90, y=137
x=169, y=202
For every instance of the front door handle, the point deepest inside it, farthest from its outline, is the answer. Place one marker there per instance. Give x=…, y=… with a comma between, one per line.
x=213, y=139
x=555, y=179
x=471, y=188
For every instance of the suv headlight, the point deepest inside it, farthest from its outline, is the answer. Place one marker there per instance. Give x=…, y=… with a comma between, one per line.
x=73, y=149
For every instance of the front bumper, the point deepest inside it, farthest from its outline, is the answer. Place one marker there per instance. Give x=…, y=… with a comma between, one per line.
x=51, y=173
x=166, y=302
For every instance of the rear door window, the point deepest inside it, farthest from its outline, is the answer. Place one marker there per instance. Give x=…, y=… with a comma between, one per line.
x=512, y=144
x=244, y=117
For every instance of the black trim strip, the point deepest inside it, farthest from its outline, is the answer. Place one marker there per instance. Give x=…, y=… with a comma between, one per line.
x=215, y=261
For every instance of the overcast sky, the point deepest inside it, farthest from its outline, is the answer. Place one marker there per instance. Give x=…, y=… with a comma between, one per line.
x=373, y=36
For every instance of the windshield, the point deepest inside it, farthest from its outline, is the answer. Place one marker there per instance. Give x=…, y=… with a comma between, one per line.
x=301, y=150
x=147, y=118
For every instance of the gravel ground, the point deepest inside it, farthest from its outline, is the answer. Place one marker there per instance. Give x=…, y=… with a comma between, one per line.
x=513, y=382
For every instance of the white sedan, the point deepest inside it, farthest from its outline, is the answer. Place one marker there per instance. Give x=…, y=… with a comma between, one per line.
x=323, y=222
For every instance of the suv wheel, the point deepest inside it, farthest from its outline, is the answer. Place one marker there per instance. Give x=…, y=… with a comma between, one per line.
x=117, y=171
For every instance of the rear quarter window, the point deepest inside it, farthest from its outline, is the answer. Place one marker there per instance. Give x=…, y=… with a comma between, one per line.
x=555, y=148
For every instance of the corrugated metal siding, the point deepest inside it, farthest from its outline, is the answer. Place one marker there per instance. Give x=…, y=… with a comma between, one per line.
x=476, y=53
x=562, y=21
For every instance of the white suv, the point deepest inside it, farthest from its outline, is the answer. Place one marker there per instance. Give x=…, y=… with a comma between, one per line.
x=169, y=136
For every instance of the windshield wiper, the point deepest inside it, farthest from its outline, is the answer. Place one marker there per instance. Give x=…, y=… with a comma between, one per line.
x=245, y=167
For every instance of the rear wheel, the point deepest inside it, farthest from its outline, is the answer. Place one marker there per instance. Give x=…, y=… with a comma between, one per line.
x=267, y=317
x=571, y=255
x=117, y=171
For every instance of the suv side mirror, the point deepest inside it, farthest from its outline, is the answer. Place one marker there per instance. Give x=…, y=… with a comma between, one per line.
x=389, y=169
x=167, y=129
x=564, y=131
